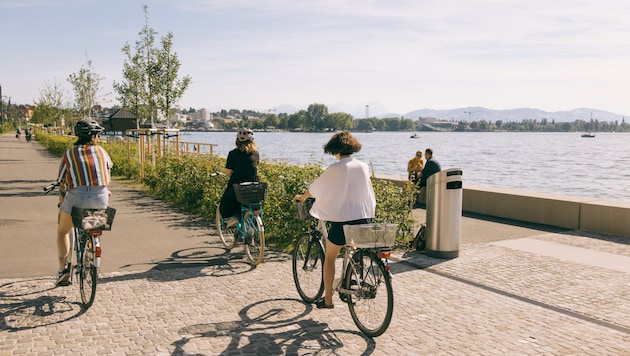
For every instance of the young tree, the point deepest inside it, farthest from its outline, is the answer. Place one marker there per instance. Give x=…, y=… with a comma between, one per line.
x=150, y=81
x=168, y=89
x=130, y=90
x=48, y=109
x=135, y=91
x=86, y=84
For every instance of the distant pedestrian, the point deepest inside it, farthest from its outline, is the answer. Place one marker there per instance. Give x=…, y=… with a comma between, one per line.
x=28, y=134
x=18, y=134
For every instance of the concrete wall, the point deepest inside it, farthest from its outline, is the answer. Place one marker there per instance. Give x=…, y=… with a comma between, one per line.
x=588, y=214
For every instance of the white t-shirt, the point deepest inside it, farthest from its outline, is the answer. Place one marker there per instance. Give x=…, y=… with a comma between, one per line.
x=343, y=192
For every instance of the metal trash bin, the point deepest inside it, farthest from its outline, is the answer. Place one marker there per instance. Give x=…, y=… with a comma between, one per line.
x=444, y=213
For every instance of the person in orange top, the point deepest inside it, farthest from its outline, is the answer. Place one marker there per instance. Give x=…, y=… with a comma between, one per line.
x=414, y=168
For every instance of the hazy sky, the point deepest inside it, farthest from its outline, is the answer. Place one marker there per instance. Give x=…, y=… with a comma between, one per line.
x=394, y=55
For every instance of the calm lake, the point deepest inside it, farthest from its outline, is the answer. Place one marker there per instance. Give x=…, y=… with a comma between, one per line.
x=561, y=163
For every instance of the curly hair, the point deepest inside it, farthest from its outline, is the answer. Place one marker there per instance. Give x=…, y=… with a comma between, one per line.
x=342, y=143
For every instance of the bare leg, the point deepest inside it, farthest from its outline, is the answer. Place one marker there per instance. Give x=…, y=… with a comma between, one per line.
x=332, y=251
x=63, y=238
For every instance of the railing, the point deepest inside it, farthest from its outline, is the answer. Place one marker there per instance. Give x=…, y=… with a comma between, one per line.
x=154, y=143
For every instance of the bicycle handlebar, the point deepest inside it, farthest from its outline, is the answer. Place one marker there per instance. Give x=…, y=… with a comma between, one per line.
x=49, y=188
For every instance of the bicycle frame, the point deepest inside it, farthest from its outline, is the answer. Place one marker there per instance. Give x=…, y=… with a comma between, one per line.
x=80, y=239
x=256, y=210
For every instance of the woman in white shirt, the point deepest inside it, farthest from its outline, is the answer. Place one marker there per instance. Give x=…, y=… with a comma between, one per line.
x=343, y=196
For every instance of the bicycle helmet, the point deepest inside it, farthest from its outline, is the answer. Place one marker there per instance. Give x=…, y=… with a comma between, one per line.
x=87, y=128
x=245, y=134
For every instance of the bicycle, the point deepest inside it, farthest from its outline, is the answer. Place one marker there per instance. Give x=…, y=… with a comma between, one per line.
x=89, y=225
x=365, y=285
x=250, y=228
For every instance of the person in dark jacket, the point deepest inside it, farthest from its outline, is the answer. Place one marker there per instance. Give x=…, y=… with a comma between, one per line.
x=431, y=167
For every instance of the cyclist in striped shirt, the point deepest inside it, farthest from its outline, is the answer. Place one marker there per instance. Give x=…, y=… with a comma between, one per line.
x=84, y=174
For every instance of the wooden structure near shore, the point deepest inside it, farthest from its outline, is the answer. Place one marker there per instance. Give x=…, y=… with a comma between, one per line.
x=154, y=143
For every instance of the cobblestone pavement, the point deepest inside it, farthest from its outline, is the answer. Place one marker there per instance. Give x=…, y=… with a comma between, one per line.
x=490, y=300
x=203, y=300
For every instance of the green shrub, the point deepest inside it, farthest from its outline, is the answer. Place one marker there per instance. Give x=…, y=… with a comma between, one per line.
x=56, y=144
x=185, y=182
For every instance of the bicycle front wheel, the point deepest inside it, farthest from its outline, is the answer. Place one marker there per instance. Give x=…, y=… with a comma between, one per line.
x=254, y=237
x=226, y=234
x=308, y=268
x=88, y=272
x=371, y=301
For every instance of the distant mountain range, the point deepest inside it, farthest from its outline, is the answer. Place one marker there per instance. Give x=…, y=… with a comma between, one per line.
x=469, y=113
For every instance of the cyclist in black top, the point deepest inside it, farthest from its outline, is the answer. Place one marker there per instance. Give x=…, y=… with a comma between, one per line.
x=241, y=166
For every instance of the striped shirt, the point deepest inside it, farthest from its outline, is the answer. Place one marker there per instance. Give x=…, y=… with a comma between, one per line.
x=85, y=165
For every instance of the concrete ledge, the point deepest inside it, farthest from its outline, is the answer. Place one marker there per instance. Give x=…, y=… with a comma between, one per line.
x=606, y=216
x=566, y=211
x=547, y=209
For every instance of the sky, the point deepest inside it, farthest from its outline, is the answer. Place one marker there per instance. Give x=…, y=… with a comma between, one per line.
x=392, y=56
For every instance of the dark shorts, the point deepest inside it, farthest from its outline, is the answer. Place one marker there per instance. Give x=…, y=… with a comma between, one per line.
x=335, y=234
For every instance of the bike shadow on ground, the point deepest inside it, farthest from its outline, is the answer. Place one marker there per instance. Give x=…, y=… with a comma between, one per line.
x=274, y=327
x=22, y=188
x=29, y=304
x=209, y=260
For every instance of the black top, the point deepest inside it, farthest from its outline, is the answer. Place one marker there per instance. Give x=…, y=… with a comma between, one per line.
x=243, y=166
x=430, y=168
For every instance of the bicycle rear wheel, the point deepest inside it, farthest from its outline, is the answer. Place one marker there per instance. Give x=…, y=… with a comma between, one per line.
x=254, y=237
x=226, y=234
x=308, y=268
x=88, y=272
x=371, y=301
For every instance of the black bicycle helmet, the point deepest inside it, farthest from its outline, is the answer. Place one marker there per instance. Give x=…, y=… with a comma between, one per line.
x=87, y=128
x=245, y=134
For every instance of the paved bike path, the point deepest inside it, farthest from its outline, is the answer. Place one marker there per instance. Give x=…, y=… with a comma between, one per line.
x=168, y=287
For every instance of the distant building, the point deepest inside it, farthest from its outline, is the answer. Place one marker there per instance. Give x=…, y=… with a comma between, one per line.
x=120, y=121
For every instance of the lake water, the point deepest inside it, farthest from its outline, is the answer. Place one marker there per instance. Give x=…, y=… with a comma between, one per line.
x=561, y=163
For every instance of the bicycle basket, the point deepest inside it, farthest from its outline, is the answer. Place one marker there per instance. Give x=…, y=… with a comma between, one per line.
x=304, y=209
x=250, y=192
x=370, y=235
x=93, y=219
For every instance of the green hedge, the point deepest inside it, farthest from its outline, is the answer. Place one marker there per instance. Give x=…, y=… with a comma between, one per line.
x=185, y=182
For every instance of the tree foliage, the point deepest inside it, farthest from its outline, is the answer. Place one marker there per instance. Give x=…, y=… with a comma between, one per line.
x=168, y=88
x=48, y=110
x=86, y=83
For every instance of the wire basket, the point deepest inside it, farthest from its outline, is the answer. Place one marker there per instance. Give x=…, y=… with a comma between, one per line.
x=93, y=219
x=304, y=208
x=370, y=235
x=250, y=192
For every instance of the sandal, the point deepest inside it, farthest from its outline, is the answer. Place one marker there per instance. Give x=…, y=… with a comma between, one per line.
x=321, y=304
